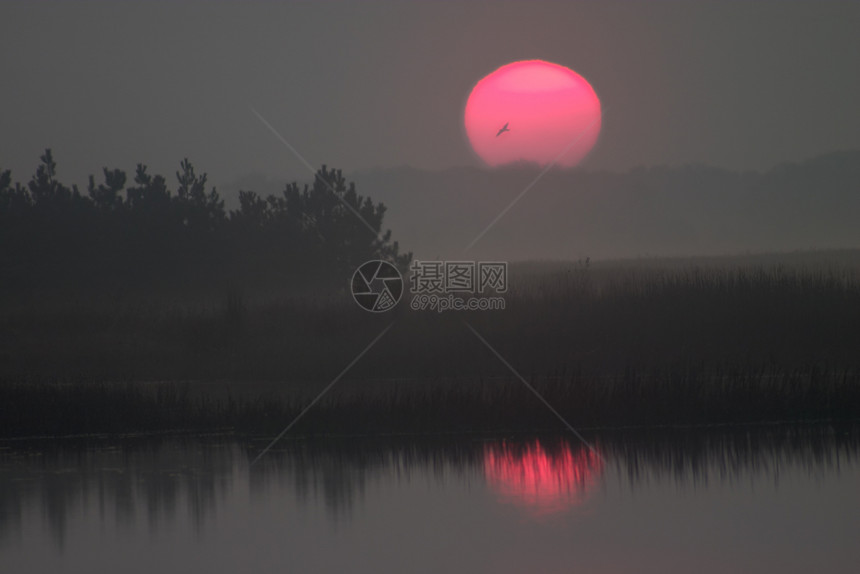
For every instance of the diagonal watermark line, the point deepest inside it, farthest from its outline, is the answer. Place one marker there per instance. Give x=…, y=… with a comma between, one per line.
x=533, y=390
x=307, y=164
x=533, y=182
x=320, y=395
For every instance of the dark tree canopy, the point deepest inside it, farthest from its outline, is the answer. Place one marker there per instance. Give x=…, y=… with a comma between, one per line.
x=140, y=233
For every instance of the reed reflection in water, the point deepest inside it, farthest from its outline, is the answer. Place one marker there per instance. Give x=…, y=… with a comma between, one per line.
x=57, y=498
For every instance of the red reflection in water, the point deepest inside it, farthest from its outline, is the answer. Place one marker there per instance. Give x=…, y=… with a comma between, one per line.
x=544, y=481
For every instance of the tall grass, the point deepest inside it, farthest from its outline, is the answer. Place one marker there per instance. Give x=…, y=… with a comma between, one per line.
x=609, y=344
x=497, y=406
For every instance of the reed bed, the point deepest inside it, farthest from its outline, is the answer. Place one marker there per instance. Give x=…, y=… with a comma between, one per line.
x=607, y=344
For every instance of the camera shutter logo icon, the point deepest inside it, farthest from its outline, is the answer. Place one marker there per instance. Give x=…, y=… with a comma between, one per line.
x=377, y=286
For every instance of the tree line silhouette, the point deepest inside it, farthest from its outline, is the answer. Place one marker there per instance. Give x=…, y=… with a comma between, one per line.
x=140, y=233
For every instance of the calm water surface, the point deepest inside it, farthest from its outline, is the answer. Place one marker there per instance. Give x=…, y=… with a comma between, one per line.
x=774, y=501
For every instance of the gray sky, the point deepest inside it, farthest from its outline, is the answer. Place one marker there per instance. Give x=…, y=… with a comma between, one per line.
x=743, y=85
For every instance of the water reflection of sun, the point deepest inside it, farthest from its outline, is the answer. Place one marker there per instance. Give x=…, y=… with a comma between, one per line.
x=545, y=481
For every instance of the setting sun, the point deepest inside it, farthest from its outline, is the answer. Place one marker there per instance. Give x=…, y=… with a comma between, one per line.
x=533, y=111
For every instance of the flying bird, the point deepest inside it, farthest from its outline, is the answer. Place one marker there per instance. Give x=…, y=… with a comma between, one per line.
x=504, y=129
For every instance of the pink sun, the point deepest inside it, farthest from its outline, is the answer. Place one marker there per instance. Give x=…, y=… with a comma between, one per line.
x=533, y=111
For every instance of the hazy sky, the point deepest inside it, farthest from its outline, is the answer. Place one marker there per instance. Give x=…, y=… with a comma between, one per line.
x=358, y=85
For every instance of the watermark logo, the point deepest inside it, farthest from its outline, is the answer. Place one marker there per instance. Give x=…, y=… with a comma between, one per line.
x=458, y=285
x=377, y=286
x=458, y=277
x=433, y=285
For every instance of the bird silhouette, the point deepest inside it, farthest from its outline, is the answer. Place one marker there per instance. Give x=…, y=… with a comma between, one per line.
x=504, y=129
